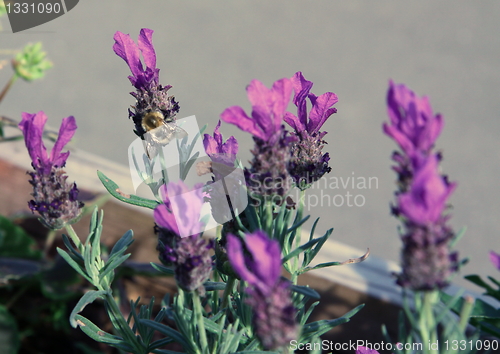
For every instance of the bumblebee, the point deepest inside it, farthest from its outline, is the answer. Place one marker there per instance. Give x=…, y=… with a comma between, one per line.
x=159, y=132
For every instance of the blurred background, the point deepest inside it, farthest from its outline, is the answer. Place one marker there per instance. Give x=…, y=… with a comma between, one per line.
x=209, y=51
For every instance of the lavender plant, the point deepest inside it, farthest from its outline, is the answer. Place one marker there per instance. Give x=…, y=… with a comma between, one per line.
x=421, y=204
x=242, y=318
x=236, y=300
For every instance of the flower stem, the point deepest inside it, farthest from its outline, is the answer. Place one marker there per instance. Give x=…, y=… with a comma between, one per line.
x=428, y=326
x=8, y=86
x=227, y=291
x=51, y=236
x=298, y=234
x=198, y=313
x=163, y=164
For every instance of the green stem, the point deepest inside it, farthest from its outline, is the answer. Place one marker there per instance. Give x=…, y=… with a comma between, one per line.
x=8, y=86
x=298, y=234
x=268, y=210
x=198, y=313
x=163, y=164
x=227, y=291
x=48, y=242
x=428, y=328
x=465, y=313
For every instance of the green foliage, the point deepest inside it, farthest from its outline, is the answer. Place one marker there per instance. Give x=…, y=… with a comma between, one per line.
x=484, y=316
x=9, y=335
x=15, y=242
x=30, y=64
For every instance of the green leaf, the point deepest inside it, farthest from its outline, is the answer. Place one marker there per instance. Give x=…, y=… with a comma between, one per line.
x=86, y=299
x=125, y=241
x=300, y=249
x=15, y=242
x=305, y=290
x=163, y=269
x=114, y=190
x=9, y=335
x=73, y=264
x=481, y=308
x=320, y=327
x=99, y=335
x=213, y=286
x=160, y=327
x=112, y=265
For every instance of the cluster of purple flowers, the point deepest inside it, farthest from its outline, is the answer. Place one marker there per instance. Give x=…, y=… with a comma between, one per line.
x=423, y=192
x=281, y=157
x=53, y=197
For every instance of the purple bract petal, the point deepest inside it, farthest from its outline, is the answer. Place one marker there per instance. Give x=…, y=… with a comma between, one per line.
x=321, y=107
x=268, y=109
x=262, y=270
x=66, y=132
x=413, y=125
x=429, y=192
x=495, y=259
x=32, y=126
x=126, y=49
x=181, y=211
x=218, y=151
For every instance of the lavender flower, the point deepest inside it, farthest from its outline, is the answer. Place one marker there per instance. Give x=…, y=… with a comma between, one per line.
x=179, y=230
x=268, y=176
x=152, y=98
x=54, y=199
x=269, y=294
x=423, y=193
x=225, y=192
x=308, y=164
x=219, y=151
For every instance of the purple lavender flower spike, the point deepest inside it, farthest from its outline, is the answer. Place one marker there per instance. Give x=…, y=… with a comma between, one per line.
x=179, y=231
x=150, y=95
x=219, y=151
x=429, y=193
x=495, y=259
x=308, y=163
x=268, y=293
x=54, y=199
x=413, y=125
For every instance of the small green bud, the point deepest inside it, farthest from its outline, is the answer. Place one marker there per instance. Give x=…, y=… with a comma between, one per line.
x=30, y=64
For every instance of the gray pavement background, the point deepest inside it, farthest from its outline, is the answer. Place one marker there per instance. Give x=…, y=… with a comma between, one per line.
x=209, y=51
